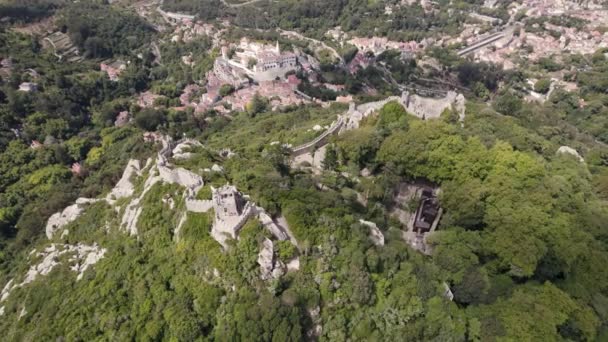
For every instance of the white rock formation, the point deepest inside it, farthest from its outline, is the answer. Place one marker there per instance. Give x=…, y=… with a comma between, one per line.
x=266, y=259
x=124, y=187
x=569, y=150
x=293, y=264
x=180, y=224
x=61, y=219
x=182, y=150
x=375, y=233
x=83, y=257
x=162, y=171
x=23, y=312
x=270, y=267
x=6, y=290
x=227, y=153
x=448, y=292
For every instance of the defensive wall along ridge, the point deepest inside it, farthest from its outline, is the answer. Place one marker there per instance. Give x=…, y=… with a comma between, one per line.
x=421, y=107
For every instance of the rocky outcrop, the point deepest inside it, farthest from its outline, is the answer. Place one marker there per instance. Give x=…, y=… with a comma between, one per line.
x=182, y=149
x=180, y=224
x=124, y=187
x=6, y=290
x=266, y=259
x=132, y=210
x=270, y=267
x=317, y=328
x=61, y=219
x=180, y=176
x=162, y=171
x=375, y=234
x=83, y=257
x=448, y=292
x=570, y=151
x=293, y=264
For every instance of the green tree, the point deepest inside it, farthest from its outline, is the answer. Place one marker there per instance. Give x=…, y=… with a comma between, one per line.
x=226, y=89
x=508, y=104
x=393, y=116
x=542, y=85
x=258, y=104
x=149, y=119
x=331, y=158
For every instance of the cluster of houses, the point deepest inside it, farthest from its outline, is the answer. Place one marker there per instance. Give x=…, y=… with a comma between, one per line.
x=252, y=68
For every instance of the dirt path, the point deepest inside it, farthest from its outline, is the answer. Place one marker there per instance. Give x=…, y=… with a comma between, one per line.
x=298, y=35
x=241, y=4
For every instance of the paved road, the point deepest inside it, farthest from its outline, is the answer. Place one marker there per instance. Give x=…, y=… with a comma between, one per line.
x=506, y=32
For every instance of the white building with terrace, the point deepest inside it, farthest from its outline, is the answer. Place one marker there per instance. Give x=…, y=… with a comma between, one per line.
x=260, y=62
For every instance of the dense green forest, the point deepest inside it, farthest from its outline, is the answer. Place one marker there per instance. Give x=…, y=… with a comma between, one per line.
x=315, y=17
x=521, y=245
x=524, y=235
x=29, y=10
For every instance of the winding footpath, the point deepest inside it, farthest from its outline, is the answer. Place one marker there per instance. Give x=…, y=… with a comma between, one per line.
x=240, y=4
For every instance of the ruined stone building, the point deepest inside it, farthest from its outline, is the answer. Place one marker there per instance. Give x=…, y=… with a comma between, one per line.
x=228, y=73
x=427, y=212
x=227, y=202
x=231, y=212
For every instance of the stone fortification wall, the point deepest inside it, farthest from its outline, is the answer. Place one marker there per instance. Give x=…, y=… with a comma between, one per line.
x=431, y=108
x=320, y=140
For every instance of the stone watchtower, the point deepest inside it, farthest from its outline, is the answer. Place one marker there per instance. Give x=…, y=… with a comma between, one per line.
x=227, y=202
